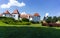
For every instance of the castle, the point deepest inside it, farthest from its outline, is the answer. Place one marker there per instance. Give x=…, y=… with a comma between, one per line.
x=16, y=15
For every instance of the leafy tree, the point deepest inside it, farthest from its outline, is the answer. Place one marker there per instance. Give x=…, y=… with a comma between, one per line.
x=58, y=18
x=44, y=18
x=54, y=19
x=49, y=20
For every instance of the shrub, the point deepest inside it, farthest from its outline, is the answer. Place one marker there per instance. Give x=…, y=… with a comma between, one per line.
x=22, y=23
x=7, y=20
x=44, y=23
x=34, y=22
x=25, y=20
x=11, y=21
x=54, y=24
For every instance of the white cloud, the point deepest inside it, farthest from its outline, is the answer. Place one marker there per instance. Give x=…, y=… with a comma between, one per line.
x=13, y=3
x=46, y=14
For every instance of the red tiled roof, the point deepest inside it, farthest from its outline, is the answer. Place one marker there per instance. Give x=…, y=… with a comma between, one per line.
x=30, y=15
x=0, y=14
x=15, y=12
x=6, y=12
x=24, y=16
x=36, y=14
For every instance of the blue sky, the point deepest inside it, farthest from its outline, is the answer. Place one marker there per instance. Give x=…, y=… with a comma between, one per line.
x=32, y=6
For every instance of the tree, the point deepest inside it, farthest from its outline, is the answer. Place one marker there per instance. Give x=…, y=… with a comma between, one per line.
x=49, y=20
x=44, y=18
x=54, y=20
x=58, y=18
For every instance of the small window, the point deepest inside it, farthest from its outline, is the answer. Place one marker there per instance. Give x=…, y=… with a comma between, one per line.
x=14, y=16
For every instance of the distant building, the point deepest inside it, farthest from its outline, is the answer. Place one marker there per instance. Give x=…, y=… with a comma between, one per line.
x=15, y=14
x=0, y=15
x=24, y=15
x=6, y=14
x=27, y=16
x=18, y=16
x=36, y=17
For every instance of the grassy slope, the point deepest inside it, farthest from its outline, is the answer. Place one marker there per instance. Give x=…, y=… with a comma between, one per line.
x=2, y=24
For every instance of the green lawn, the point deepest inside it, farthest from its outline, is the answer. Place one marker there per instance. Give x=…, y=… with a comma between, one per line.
x=1, y=23
x=28, y=31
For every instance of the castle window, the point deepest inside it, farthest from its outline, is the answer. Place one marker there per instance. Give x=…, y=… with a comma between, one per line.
x=14, y=15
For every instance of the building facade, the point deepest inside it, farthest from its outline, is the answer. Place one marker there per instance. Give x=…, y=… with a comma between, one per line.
x=36, y=17
x=16, y=15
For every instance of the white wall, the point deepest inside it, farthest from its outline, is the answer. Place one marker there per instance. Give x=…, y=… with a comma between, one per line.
x=6, y=15
x=36, y=18
x=15, y=16
x=30, y=19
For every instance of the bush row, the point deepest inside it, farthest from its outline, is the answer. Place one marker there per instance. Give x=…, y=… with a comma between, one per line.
x=12, y=21
x=51, y=24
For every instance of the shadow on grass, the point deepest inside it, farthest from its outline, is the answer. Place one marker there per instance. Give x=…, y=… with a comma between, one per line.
x=29, y=32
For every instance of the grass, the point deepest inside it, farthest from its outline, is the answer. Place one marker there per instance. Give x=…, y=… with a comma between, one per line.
x=1, y=23
x=28, y=31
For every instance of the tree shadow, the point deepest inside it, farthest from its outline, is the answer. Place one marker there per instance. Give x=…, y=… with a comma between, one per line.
x=29, y=32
